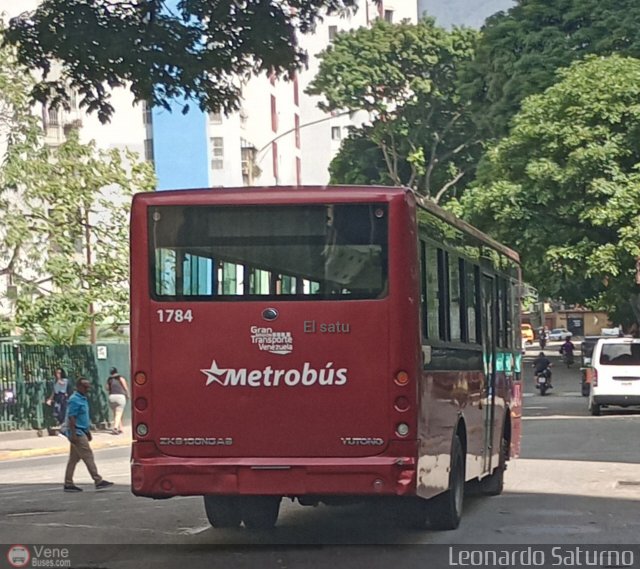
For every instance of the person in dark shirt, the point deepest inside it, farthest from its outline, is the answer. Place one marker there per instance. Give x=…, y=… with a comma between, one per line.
x=542, y=365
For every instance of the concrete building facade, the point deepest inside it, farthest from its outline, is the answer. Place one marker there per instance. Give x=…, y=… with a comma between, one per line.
x=279, y=137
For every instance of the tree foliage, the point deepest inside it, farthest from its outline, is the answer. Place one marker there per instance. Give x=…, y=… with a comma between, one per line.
x=564, y=187
x=404, y=75
x=162, y=49
x=519, y=51
x=68, y=220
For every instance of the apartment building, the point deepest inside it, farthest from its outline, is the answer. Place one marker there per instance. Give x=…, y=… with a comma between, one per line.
x=279, y=137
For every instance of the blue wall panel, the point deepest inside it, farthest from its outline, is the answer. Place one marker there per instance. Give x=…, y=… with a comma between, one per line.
x=180, y=147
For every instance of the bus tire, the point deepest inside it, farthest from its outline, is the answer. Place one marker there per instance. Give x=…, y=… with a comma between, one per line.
x=445, y=510
x=260, y=512
x=493, y=485
x=223, y=511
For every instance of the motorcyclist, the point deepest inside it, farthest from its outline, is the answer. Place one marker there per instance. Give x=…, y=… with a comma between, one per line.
x=542, y=366
x=542, y=337
x=567, y=350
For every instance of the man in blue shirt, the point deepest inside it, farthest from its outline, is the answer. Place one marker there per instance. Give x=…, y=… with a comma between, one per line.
x=77, y=428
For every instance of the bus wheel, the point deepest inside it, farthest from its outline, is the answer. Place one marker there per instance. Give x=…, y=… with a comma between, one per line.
x=445, y=510
x=223, y=511
x=493, y=484
x=260, y=512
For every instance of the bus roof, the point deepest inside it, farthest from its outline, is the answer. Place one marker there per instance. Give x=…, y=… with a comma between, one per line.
x=282, y=194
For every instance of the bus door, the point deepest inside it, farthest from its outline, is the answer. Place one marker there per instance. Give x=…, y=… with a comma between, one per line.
x=489, y=358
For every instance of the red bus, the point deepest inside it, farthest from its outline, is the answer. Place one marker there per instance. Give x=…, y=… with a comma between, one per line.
x=320, y=344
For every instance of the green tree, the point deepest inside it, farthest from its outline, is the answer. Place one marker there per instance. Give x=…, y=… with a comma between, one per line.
x=519, y=51
x=404, y=75
x=162, y=49
x=68, y=216
x=564, y=187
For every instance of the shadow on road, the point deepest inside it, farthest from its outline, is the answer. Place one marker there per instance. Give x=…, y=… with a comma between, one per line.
x=118, y=517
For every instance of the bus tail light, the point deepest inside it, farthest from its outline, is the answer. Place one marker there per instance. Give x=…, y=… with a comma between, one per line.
x=142, y=430
x=141, y=404
x=402, y=429
x=401, y=378
x=140, y=378
x=401, y=404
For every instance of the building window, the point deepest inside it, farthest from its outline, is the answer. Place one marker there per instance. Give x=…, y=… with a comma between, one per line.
x=333, y=32
x=274, y=155
x=146, y=113
x=217, y=153
x=274, y=114
x=148, y=150
x=388, y=16
x=336, y=133
x=53, y=117
x=215, y=118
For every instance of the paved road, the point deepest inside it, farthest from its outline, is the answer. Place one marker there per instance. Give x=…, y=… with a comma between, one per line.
x=578, y=481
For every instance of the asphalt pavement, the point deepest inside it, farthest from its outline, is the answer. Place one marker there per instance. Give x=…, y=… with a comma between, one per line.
x=577, y=482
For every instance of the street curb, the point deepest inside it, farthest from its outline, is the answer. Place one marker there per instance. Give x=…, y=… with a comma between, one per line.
x=52, y=451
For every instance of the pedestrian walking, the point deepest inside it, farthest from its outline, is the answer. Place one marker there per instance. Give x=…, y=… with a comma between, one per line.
x=77, y=428
x=60, y=395
x=118, y=395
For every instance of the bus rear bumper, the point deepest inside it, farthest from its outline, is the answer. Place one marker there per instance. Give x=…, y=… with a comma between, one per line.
x=171, y=476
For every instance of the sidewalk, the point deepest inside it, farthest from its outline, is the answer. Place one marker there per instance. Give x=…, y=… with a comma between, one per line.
x=27, y=444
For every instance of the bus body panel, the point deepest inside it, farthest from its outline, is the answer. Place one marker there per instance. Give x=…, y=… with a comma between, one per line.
x=328, y=397
x=202, y=422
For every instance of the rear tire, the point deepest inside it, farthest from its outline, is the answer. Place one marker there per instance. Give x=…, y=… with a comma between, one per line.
x=223, y=511
x=493, y=485
x=543, y=389
x=260, y=512
x=594, y=408
x=443, y=512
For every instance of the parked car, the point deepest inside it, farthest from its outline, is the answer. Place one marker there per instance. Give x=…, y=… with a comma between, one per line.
x=559, y=334
x=526, y=331
x=616, y=374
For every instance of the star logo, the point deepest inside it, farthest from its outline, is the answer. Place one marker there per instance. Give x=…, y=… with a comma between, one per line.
x=214, y=374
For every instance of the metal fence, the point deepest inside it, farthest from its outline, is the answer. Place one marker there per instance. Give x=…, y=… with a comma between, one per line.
x=26, y=380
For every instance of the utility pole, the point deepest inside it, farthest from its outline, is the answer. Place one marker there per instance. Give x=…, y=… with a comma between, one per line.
x=87, y=237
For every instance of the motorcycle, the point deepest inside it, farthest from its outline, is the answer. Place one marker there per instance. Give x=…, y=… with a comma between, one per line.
x=568, y=359
x=543, y=382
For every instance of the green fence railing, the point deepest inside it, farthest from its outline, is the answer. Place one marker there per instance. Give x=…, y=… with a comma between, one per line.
x=26, y=380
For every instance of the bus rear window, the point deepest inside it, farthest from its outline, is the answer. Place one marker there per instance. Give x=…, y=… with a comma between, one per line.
x=262, y=252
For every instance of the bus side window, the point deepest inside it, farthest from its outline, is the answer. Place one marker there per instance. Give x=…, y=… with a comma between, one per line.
x=433, y=294
x=471, y=302
x=443, y=278
x=454, y=299
x=500, y=304
x=423, y=289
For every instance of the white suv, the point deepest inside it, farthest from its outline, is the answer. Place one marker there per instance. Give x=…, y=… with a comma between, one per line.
x=616, y=378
